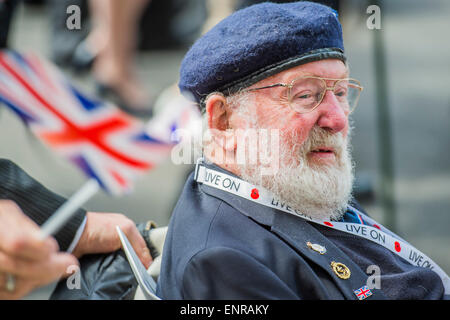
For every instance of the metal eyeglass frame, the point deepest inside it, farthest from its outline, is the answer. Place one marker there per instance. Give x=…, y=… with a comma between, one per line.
x=291, y=84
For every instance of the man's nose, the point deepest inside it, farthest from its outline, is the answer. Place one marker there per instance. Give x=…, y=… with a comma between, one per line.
x=331, y=115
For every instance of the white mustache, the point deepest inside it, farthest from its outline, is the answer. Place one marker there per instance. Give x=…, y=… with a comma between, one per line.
x=319, y=137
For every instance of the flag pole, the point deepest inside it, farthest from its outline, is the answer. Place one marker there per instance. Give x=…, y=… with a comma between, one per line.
x=65, y=212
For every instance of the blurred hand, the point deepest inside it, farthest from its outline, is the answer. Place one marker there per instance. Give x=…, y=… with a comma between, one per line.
x=31, y=261
x=100, y=236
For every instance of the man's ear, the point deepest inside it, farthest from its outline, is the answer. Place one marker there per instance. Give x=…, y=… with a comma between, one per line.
x=218, y=113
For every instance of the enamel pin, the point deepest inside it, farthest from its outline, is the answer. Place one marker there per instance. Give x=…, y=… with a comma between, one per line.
x=341, y=270
x=316, y=247
x=363, y=293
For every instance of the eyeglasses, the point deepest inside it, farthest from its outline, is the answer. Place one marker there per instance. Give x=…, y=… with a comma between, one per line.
x=306, y=93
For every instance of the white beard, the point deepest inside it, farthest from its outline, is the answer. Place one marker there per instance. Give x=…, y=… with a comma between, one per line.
x=319, y=191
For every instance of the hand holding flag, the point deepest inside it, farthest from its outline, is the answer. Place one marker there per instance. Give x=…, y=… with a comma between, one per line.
x=109, y=146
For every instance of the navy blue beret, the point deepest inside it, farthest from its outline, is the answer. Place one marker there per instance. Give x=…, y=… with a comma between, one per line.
x=257, y=42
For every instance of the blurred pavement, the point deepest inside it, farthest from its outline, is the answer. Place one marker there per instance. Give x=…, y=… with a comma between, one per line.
x=419, y=76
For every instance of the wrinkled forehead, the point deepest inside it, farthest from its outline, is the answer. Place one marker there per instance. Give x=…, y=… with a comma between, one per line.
x=329, y=68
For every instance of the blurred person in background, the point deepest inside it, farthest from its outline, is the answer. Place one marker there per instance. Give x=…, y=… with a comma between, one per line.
x=110, y=47
x=113, y=41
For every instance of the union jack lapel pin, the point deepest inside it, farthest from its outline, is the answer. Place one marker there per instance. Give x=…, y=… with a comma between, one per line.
x=362, y=293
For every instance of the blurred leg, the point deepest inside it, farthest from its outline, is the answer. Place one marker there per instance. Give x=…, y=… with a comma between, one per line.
x=118, y=22
x=100, y=17
x=6, y=12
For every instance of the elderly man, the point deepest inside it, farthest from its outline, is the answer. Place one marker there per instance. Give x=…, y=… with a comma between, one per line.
x=241, y=231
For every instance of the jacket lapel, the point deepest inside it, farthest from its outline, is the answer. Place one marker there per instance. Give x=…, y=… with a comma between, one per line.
x=298, y=232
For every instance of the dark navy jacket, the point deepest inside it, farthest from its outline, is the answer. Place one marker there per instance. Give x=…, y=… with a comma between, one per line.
x=36, y=201
x=220, y=246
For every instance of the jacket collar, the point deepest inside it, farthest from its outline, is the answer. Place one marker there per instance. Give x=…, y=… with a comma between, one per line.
x=261, y=214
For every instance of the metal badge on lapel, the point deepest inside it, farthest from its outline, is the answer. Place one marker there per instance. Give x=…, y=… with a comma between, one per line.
x=316, y=247
x=341, y=270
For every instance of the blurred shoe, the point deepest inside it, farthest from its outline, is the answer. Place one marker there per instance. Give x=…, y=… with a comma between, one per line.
x=108, y=92
x=83, y=57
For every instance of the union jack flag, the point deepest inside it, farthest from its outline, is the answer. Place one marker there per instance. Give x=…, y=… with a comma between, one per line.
x=363, y=293
x=107, y=144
